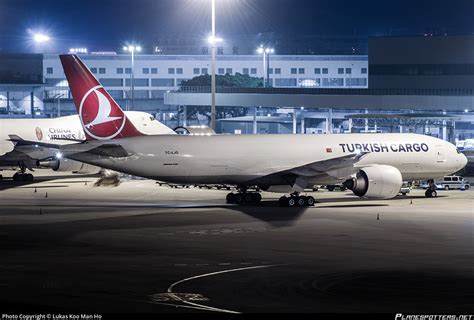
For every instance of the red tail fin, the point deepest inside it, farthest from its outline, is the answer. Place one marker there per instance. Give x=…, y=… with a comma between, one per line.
x=101, y=117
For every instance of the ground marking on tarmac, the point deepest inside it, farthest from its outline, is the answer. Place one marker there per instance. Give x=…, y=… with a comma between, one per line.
x=177, y=296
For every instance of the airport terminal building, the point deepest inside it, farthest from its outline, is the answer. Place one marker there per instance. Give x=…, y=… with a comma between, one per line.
x=390, y=90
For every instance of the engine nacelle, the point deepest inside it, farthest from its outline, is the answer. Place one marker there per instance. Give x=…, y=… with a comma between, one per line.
x=66, y=165
x=376, y=182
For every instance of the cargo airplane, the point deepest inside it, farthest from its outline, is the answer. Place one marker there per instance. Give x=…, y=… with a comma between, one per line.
x=371, y=165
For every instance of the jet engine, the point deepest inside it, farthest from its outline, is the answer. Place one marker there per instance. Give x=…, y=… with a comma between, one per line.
x=376, y=182
x=66, y=165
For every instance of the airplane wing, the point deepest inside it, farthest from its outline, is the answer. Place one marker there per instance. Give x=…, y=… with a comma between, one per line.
x=75, y=149
x=105, y=150
x=334, y=169
x=330, y=165
x=18, y=141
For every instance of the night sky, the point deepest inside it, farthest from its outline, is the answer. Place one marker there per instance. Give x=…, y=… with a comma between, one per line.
x=105, y=25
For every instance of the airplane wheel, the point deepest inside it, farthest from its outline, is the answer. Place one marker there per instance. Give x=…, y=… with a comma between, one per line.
x=283, y=201
x=301, y=201
x=17, y=177
x=248, y=197
x=239, y=198
x=431, y=194
x=291, y=202
x=230, y=198
x=256, y=198
x=446, y=188
x=29, y=177
x=310, y=201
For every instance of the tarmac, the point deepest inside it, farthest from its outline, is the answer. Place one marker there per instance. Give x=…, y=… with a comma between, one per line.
x=70, y=246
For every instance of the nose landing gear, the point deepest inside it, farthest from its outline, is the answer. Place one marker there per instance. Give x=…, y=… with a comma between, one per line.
x=431, y=191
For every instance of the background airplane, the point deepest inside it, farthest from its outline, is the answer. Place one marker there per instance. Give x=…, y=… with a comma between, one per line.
x=64, y=130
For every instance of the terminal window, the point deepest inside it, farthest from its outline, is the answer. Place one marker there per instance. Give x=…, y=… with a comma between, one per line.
x=221, y=71
x=171, y=71
x=294, y=71
x=101, y=70
x=112, y=82
x=228, y=70
x=340, y=70
x=363, y=70
x=348, y=70
x=286, y=82
x=317, y=70
x=196, y=70
x=179, y=70
x=119, y=70
x=356, y=82
x=138, y=82
x=162, y=82
x=146, y=70
x=253, y=71
x=301, y=71
x=325, y=70
x=333, y=82
x=49, y=70
x=154, y=70
x=246, y=70
x=128, y=70
x=94, y=70
x=204, y=71
x=270, y=70
x=277, y=70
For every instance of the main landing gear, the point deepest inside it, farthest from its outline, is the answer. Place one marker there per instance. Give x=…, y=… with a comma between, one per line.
x=295, y=200
x=431, y=191
x=21, y=176
x=244, y=196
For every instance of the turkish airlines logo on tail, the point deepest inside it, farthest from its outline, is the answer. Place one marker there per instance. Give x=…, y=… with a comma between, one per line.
x=101, y=118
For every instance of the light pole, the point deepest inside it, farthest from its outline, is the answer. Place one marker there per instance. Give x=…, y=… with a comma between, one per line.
x=213, y=65
x=266, y=63
x=132, y=50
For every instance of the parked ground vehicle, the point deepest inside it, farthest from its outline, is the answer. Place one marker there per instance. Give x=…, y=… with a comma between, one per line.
x=405, y=189
x=453, y=183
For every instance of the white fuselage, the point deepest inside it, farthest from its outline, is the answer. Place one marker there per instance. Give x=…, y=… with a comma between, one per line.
x=238, y=159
